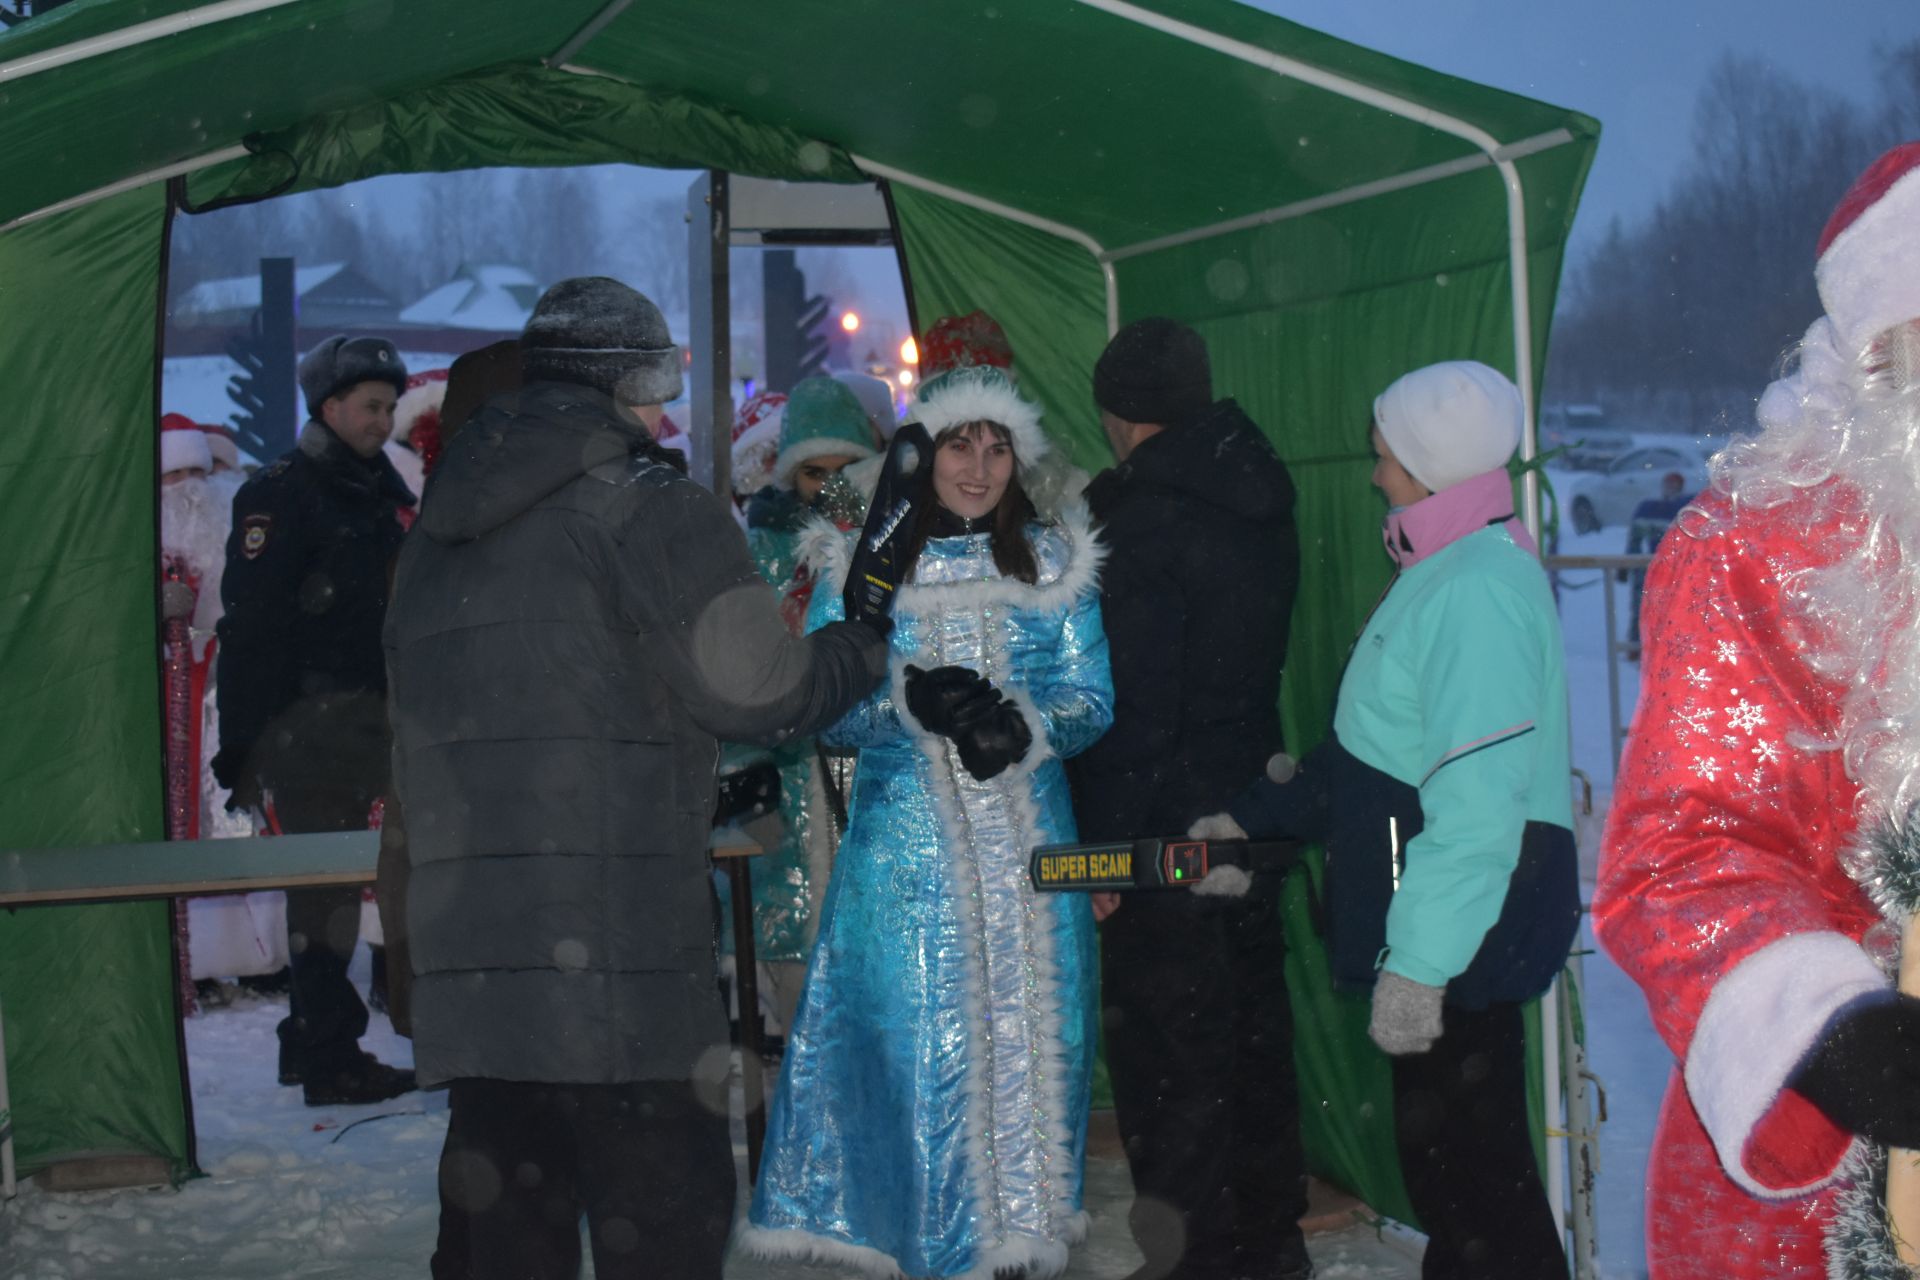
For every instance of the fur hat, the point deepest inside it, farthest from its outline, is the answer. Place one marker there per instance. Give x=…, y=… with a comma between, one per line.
x=420, y=404
x=980, y=394
x=756, y=442
x=1450, y=421
x=876, y=397
x=1868, y=258
x=823, y=420
x=1154, y=371
x=341, y=363
x=596, y=332
x=183, y=445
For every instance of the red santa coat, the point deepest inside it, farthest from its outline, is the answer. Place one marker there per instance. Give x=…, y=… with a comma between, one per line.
x=1721, y=890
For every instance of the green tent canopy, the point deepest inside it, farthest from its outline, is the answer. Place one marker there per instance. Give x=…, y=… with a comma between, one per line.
x=1328, y=217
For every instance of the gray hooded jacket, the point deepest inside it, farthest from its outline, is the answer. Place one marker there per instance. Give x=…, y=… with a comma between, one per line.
x=573, y=625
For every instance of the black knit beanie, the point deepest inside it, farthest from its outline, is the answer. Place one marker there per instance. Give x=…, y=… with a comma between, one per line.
x=596, y=332
x=1154, y=371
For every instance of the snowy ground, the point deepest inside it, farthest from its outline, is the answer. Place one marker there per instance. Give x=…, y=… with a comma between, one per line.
x=349, y=1192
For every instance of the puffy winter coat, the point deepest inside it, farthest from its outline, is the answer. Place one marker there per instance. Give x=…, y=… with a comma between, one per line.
x=575, y=622
x=1443, y=795
x=1197, y=593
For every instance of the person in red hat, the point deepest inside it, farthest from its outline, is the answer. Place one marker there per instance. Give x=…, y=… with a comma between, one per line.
x=1763, y=834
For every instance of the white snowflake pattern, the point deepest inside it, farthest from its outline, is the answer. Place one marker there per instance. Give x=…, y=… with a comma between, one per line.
x=1698, y=677
x=1767, y=752
x=1694, y=721
x=1707, y=767
x=1746, y=716
x=1727, y=651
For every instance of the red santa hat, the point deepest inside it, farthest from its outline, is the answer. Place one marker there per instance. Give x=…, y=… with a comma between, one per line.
x=183, y=445
x=1868, y=268
x=422, y=399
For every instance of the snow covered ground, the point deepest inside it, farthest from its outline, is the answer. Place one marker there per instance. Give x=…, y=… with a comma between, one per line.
x=349, y=1192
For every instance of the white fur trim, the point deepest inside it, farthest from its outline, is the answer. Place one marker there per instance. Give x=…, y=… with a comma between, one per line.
x=1070, y=563
x=1866, y=278
x=959, y=398
x=1041, y=1258
x=1014, y=788
x=819, y=447
x=1758, y=1024
x=185, y=448
x=1042, y=748
x=408, y=408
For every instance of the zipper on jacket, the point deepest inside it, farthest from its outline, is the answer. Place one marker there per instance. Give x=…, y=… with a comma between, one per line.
x=1393, y=841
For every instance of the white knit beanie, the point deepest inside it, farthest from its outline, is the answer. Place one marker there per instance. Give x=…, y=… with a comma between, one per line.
x=1450, y=421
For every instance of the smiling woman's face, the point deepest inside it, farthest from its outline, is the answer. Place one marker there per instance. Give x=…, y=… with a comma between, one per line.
x=971, y=469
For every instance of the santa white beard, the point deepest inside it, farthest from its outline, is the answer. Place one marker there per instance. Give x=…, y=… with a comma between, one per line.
x=195, y=515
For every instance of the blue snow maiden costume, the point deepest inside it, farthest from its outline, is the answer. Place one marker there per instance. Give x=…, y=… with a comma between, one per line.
x=931, y=1113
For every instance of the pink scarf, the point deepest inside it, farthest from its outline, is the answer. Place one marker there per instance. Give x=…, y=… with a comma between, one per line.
x=1442, y=519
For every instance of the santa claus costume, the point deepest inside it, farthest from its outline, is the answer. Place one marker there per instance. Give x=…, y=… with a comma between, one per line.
x=1772, y=766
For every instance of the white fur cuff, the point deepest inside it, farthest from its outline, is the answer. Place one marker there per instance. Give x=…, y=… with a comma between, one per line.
x=1758, y=1024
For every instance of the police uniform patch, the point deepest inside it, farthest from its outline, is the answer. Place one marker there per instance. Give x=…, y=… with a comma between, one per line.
x=253, y=535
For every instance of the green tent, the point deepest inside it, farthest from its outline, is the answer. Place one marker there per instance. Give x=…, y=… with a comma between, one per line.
x=1326, y=216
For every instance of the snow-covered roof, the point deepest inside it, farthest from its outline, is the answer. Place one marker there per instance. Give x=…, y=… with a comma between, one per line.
x=242, y=293
x=485, y=295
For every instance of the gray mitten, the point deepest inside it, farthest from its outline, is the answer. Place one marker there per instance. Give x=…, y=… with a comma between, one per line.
x=1406, y=1014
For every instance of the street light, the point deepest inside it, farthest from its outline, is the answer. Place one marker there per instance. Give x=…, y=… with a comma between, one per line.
x=906, y=377
x=850, y=321
x=909, y=351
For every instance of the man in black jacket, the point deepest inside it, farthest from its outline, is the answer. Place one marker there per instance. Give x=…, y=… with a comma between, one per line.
x=1198, y=590
x=574, y=625
x=302, y=682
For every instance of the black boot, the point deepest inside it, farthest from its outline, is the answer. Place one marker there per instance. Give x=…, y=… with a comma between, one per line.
x=361, y=1079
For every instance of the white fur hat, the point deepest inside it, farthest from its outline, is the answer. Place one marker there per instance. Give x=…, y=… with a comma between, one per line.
x=1868, y=267
x=980, y=393
x=1450, y=421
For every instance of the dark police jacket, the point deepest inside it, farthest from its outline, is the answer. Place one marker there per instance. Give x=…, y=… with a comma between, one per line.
x=1203, y=563
x=305, y=592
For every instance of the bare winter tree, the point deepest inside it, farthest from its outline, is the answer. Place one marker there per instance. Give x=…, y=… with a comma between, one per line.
x=1680, y=316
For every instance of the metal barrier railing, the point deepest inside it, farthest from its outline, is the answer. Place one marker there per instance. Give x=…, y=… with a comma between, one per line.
x=1618, y=649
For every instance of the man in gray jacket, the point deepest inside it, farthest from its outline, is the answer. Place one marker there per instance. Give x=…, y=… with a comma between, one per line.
x=574, y=624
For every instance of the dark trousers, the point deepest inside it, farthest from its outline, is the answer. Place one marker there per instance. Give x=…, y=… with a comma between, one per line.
x=325, y=1015
x=649, y=1164
x=1460, y=1123
x=1200, y=1047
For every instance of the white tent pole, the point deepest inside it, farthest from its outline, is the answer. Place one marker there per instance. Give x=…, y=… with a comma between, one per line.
x=1012, y=214
x=1347, y=195
x=128, y=184
x=128, y=37
x=6, y=1121
x=1320, y=77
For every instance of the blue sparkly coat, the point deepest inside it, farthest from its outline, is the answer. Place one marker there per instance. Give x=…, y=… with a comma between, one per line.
x=931, y=1113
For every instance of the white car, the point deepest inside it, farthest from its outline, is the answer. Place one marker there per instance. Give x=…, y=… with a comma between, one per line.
x=1609, y=497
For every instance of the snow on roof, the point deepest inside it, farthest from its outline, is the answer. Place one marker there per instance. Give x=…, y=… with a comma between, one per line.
x=242, y=293
x=486, y=295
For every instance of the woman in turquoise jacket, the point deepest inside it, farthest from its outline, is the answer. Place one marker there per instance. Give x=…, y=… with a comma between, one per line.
x=931, y=1114
x=1442, y=799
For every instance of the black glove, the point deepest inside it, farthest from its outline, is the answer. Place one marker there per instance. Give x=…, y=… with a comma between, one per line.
x=993, y=741
x=946, y=698
x=1864, y=1071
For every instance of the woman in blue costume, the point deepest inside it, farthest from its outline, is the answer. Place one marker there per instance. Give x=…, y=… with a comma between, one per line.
x=931, y=1113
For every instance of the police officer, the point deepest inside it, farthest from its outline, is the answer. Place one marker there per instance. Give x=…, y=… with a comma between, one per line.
x=302, y=682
